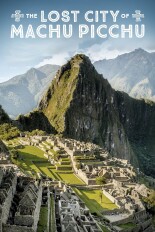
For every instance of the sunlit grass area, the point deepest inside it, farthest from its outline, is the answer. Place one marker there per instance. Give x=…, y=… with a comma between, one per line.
x=32, y=160
x=93, y=200
x=70, y=178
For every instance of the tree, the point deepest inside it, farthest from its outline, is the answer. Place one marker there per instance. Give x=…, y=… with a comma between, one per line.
x=100, y=195
x=150, y=200
x=78, y=165
x=101, y=180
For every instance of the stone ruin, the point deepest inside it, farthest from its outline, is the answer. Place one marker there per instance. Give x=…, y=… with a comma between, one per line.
x=20, y=201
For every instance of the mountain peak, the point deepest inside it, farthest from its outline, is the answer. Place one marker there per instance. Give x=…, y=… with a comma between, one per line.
x=76, y=67
x=140, y=51
x=35, y=72
x=79, y=59
x=70, y=81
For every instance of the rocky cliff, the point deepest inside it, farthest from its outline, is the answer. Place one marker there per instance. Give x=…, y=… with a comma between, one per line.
x=81, y=104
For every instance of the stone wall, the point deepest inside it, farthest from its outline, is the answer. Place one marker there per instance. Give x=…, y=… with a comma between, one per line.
x=111, y=198
x=146, y=224
x=89, y=187
x=14, y=228
x=1, y=174
x=140, y=228
x=24, y=220
x=136, y=229
x=37, y=209
x=140, y=216
x=70, y=152
x=0, y=225
x=82, y=176
x=64, y=168
x=7, y=204
x=123, y=221
x=31, y=220
x=149, y=229
x=5, y=161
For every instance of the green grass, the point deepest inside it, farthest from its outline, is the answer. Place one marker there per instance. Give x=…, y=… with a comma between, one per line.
x=70, y=178
x=8, y=131
x=31, y=153
x=44, y=168
x=93, y=162
x=42, y=224
x=93, y=202
x=61, y=97
x=104, y=228
x=64, y=165
x=52, y=215
x=46, y=143
x=82, y=157
x=31, y=160
x=12, y=143
x=128, y=225
x=65, y=159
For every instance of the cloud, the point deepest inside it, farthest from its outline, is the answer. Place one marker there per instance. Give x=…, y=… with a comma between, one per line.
x=3, y=79
x=58, y=59
x=95, y=52
x=111, y=48
x=20, y=55
x=101, y=51
x=108, y=49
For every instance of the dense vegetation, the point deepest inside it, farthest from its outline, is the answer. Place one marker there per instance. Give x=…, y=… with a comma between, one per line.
x=35, y=132
x=3, y=116
x=8, y=131
x=150, y=200
x=35, y=120
x=61, y=90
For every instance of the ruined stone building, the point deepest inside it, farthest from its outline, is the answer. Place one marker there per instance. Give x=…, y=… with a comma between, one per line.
x=20, y=202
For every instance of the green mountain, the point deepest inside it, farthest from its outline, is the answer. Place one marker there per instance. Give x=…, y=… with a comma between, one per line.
x=8, y=128
x=34, y=120
x=81, y=104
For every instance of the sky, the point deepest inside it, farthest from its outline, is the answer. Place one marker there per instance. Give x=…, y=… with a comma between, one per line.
x=18, y=55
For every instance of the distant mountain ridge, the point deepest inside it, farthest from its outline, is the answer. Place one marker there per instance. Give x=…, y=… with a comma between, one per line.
x=22, y=93
x=133, y=73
